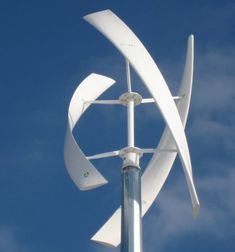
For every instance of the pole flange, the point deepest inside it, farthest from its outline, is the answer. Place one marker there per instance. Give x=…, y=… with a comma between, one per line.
x=125, y=98
x=130, y=156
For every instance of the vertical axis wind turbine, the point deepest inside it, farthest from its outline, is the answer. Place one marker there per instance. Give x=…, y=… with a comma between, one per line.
x=138, y=192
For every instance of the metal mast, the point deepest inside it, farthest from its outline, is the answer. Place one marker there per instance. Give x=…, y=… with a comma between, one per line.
x=131, y=226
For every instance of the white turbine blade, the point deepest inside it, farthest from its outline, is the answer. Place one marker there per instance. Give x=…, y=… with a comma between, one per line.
x=160, y=165
x=81, y=171
x=110, y=232
x=132, y=49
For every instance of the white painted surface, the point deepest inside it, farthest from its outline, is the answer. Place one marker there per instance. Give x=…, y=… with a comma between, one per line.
x=174, y=115
x=80, y=169
x=115, y=30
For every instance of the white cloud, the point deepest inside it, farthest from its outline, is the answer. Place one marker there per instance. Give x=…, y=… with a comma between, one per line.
x=172, y=218
x=212, y=127
x=213, y=89
x=8, y=240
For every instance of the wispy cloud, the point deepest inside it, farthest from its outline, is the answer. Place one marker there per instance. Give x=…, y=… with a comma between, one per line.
x=212, y=121
x=171, y=219
x=214, y=81
x=211, y=131
x=8, y=240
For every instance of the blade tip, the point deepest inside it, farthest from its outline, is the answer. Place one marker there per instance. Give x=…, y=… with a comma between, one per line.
x=93, y=186
x=191, y=38
x=196, y=210
x=86, y=17
x=107, y=244
x=102, y=76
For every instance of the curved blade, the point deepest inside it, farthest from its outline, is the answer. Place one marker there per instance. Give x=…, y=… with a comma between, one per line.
x=80, y=169
x=110, y=233
x=130, y=46
x=160, y=164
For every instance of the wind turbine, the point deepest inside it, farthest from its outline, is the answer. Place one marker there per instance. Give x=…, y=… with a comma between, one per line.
x=138, y=192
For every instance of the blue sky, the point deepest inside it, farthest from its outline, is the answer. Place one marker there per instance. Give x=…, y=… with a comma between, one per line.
x=46, y=50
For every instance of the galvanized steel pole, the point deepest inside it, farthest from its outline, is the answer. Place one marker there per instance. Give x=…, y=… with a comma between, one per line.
x=131, y=226
x=131, y=231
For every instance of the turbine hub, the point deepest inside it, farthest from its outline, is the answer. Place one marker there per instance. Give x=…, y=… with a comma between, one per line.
x=125, y=98
x=131, y=156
